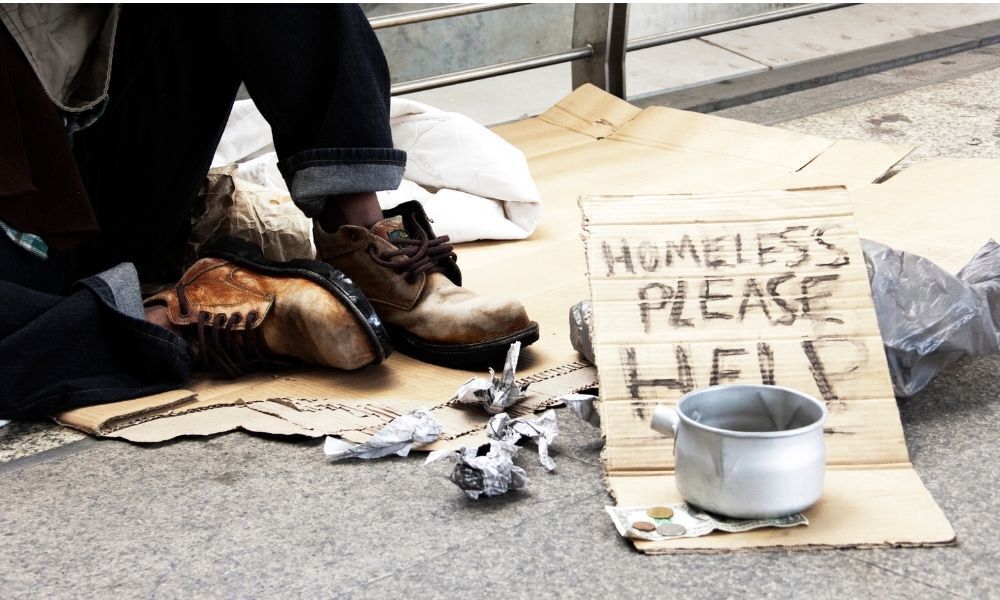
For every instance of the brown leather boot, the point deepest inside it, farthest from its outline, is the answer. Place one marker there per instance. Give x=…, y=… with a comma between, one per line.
x=241, y=312
x=413, y=282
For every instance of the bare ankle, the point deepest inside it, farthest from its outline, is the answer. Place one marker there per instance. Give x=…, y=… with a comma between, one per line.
x=350, y=209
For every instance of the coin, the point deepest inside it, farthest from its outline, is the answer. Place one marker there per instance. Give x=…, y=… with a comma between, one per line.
x=671, y=530
x=660, y=512
x=643, y=526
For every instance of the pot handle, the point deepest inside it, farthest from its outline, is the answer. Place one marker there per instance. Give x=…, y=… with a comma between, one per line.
x=664, y=421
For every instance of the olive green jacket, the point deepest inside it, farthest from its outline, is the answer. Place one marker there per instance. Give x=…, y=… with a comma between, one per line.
x=69, y=46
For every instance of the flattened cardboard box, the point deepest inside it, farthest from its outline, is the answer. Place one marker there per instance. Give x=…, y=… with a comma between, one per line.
x=588, y=143
x=749, y=287
x=944, y=209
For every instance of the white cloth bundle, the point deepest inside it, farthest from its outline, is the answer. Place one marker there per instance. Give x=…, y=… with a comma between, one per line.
x=472, y=183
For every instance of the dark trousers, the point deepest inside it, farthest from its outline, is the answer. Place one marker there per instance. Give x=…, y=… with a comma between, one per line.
x=317, y=74
x=89, y=347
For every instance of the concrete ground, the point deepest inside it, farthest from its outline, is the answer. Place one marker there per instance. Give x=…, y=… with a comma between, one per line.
x=239, y=515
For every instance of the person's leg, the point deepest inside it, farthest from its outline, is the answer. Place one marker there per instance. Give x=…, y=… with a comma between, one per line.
x=350, y=209
x=92, y=346
x=318, y=75
x=172, y=88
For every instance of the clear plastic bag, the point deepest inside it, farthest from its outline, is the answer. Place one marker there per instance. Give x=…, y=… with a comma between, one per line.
x=928, y=317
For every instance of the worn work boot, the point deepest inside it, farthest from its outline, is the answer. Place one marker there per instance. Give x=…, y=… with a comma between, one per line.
x=413, y=282
x=241, y=312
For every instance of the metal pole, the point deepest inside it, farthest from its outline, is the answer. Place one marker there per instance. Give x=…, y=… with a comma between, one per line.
x=431, y=14
x=604, y=28
x=616, y=53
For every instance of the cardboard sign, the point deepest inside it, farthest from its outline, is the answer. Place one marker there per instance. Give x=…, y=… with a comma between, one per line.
x=690, y=291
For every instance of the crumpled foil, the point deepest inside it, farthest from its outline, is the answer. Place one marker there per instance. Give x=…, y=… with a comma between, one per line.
x=542, y=430
x=492, y=474
x=584, y=406
x=579, y=329
x=398, y=437
x=498, y=393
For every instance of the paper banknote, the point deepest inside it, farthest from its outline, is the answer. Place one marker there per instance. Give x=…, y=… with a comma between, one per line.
x=693, y=521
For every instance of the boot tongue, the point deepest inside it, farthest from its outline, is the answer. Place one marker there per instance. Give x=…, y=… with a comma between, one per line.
x=391, y=230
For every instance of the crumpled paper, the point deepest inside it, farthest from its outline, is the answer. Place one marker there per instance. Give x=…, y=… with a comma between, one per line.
x=398, y=437
x=235, y=201
x=542, y=430
x=498, y=393
x=584, y=406
x=493, y=474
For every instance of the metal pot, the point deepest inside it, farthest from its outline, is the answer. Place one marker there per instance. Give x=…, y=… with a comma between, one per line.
x=747, y=451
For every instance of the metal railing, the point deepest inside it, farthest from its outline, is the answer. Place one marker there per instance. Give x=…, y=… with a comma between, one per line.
x=432, y=14
x=600, y=42
x=723, y=26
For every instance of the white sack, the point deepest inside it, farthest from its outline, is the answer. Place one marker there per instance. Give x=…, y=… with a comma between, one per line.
x=483, y=188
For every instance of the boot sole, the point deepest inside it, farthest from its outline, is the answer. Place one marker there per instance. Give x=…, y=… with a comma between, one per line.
x=478, y=356
x=246, y=254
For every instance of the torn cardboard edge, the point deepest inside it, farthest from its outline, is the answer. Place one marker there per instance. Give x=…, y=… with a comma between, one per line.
x=274, y=409
x=104, y=419
x=873, y=496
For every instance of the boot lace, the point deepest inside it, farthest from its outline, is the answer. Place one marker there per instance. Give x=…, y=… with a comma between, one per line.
x=422, y=255
x=234, y=351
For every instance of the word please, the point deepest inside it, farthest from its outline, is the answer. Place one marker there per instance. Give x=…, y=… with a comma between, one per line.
x=781, y=299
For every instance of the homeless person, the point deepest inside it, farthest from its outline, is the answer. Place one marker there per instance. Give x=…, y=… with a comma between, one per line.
x=110, y=117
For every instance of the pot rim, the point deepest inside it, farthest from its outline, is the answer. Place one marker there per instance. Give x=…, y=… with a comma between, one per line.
x=754, y=434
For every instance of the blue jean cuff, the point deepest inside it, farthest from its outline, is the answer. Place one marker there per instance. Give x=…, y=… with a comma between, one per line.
x=118, y=289
x=315, y=175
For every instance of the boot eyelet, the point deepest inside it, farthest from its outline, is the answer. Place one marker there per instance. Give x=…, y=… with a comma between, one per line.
x=353, y=236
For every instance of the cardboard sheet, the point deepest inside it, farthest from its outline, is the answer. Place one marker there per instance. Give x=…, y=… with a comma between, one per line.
x=588, y=143
x=311, y=403
x=926, y=208
x=749, y=287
